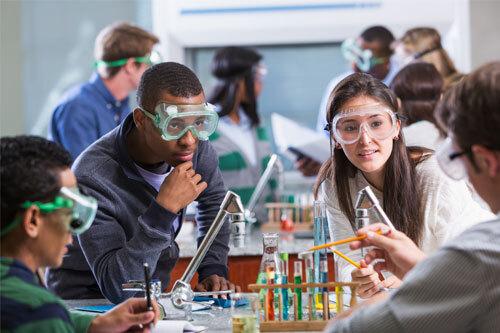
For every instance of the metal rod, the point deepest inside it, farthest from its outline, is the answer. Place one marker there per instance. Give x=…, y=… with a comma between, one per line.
x=230, y=204
x=377, y=209
x=274, y=160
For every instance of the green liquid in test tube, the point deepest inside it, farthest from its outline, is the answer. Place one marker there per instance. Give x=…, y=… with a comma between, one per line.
x=284, y=280
x=308, y=258
x=297, y=279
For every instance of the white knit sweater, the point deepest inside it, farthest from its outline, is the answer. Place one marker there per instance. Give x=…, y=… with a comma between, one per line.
x=448, y=208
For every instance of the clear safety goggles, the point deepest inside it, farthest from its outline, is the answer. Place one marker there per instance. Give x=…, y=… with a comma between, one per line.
x=260, y=72
x=363, y=58
x=449, y=162
x=76, y=210
x=378, y=121
x=174, y=120
x=152, y=59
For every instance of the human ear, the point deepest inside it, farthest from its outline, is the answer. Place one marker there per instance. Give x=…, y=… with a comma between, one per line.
x=139, y=118
x=487, y=159
x=32, y=221
x=130, y=66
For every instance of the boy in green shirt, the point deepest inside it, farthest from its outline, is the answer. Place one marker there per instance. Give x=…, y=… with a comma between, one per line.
x=41, y=207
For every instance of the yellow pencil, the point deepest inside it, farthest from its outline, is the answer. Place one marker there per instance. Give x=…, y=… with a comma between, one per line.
x=347, y=259
x=347, y=240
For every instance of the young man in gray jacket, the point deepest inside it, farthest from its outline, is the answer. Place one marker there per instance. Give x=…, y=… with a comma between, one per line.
x=143, y=174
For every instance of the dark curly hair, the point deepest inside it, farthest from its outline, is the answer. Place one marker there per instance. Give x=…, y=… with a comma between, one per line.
x=167, y=77
x=29, y=168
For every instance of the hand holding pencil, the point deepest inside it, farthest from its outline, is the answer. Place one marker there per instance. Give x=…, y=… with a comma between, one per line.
x=399, y=252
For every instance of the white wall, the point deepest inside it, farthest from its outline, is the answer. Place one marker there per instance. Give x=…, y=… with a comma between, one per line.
x=11, y=68
x=485, y=31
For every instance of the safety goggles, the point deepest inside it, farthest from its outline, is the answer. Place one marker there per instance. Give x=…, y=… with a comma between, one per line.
x=260, y=72
x=153, y=58
x=378, y=121
x=363, y=58
x=449, y=162
x=82, y=210
x=174, y=120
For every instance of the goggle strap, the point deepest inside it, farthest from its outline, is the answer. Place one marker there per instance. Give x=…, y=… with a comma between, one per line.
x=48, y=207
x=120, y=62
x=401, y=117
x=11, y=226
x=155, y=117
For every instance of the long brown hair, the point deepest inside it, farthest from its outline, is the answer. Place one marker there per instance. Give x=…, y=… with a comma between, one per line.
x=401, y=197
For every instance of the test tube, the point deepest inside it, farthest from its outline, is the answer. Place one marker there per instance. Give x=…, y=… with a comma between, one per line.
x=284, y=280
x=308, y=256
x=270, y=293
x=297, y=279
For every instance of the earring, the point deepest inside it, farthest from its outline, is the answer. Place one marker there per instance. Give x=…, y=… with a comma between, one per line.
x=396, y=138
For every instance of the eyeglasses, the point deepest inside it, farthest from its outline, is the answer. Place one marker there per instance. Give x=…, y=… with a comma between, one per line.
x=449, y=162
x=153, y=59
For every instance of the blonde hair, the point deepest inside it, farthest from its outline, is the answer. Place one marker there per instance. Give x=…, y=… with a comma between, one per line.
x=121, y=41
x=425, y=44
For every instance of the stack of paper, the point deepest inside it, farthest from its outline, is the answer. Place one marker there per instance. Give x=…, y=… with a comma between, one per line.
x=295, y=141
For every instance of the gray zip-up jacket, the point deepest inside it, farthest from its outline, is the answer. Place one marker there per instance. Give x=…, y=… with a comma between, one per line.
x=131, y=227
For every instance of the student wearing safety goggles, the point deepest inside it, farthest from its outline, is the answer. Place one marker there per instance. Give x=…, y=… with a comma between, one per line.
x=423, y=44
x=455, y=289
x=241, y=139
x=41, y=208
x=369, y=53
x=88, y=111
x=143, y=175
x=368, y=149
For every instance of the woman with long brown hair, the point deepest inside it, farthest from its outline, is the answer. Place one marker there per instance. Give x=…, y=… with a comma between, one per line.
x=368, y=149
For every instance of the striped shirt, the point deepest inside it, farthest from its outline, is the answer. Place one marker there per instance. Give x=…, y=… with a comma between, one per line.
x=28, y=307
x=455, y=290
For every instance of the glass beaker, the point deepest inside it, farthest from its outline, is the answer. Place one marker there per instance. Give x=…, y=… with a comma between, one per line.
x=245, y=312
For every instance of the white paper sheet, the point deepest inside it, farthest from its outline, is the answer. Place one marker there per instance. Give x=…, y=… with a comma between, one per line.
x=289, y=134
x=177, y=326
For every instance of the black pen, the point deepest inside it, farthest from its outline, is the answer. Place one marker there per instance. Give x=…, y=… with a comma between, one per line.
x=148, y=295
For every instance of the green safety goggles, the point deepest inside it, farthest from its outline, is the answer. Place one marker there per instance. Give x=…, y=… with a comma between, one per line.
x=364, y=59
x=83, y=210
x=174, y=120
x=153, y=59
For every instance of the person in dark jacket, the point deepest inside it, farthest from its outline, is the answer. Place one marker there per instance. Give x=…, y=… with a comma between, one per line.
x=143, y=174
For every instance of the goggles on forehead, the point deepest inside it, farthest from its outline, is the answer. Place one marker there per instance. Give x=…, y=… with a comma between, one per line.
x=449, y=162
x=153, y=58
x=378, y=121
x=174, y=120
x=363, y=58
x=83, y=209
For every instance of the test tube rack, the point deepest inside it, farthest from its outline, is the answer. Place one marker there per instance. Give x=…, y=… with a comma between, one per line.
x=294, y=324
x=301, y=215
